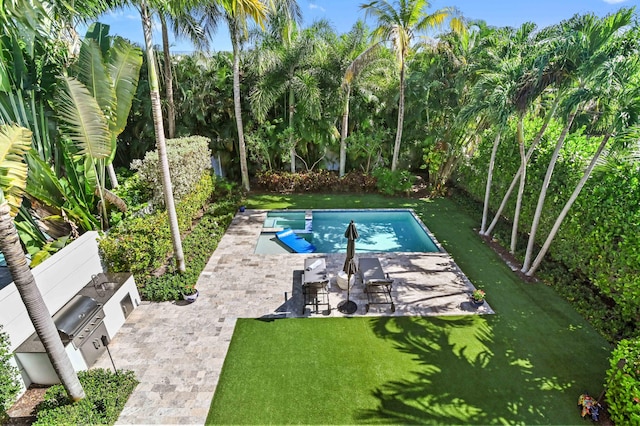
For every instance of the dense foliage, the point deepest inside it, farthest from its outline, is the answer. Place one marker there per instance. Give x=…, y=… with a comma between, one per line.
x=9, y=387
x=127, y=247
x=320, y=181
x=595, y=257
x=106, y=392
x=188, y=158
x=623, y=383
x=203, y=216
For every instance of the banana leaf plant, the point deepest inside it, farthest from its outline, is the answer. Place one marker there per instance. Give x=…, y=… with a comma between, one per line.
x=15, y=141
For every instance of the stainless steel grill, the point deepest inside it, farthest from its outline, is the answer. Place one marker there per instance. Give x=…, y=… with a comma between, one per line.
x=80, y=322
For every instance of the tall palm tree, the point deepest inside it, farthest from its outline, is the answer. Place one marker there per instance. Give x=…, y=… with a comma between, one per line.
x=364, y=56
x=616, y=103
x=399, y=23
x=15, y=141
x=581, y=53
x=288, y=66
x=236, y=14
x=160, y=139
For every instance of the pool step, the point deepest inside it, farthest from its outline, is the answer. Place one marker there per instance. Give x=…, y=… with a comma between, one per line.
x=308, y=220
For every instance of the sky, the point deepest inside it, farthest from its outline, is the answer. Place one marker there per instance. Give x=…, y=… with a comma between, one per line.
x=342, y=14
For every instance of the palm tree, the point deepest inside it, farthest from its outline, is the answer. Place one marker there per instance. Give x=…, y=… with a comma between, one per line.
x=288, y=66
x=236, y=14
x=399, y=23
x=160, y=139
x=580, y=53
x=364, y=56
x=615, y=102
x=15, y=141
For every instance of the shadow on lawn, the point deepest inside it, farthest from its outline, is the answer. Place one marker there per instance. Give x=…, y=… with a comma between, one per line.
x=465, y=377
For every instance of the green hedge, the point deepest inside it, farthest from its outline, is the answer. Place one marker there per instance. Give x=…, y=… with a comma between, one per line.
x=106, y=394
x=623, y=383
x=315, y=181
x=143, y=245
x=129, y=248
x=9, y=386
x=597, y=250
x=188, y=158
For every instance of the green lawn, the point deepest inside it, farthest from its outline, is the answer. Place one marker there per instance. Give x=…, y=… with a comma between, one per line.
x=526, y=364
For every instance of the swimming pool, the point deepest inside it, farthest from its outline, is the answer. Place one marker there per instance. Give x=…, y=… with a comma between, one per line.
x=380, y=230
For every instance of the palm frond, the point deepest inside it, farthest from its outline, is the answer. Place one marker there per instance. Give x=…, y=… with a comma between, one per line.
x=125, y=61
x=93, y=74
x=82, y=119
x=15, y=141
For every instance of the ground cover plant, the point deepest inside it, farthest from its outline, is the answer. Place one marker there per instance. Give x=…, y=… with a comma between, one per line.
x=106, y=392
x=527, y=364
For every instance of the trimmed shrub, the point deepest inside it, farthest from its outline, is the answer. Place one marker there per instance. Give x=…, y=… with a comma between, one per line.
x=315, y=181
x=623, y=383
x=129, y=248
x=9, y=386
x=188, y=158
x=392, y=183
x=106, y=395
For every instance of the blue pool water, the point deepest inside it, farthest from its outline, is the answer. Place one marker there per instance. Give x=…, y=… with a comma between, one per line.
x=379, y=230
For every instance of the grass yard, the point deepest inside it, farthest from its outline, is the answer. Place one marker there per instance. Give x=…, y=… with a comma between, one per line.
x=526, y=364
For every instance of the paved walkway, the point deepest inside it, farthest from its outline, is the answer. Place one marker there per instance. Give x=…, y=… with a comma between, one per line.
x=177, y=350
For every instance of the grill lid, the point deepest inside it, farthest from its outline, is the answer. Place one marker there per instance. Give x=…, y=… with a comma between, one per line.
x=75, y=314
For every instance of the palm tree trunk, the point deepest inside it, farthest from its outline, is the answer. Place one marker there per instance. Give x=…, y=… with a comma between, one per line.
x=534, y=144
x=396, y=145
x=160, y=141
x=487, y=191
x=168, y=79
x=343, y=133
x=233, y=28
x=112, y=176
x=292, y=148
x=36, y=308
x=556, y=226
x=523, y=176
x=543, y=192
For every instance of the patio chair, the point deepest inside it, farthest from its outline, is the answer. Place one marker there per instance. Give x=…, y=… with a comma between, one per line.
x=315, y=284
x=295, y=242
x=377, y=284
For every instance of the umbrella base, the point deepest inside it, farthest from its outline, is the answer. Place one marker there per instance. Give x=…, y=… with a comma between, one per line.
x=347, y=307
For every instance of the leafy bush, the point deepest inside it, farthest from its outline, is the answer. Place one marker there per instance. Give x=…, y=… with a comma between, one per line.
x=188, y=158
x=106, y=395
x=623, y=383
x=9, y=386
x=315, y=181
x=129, y=248
x=597, y=246
x=392, y=183
x=198, y=247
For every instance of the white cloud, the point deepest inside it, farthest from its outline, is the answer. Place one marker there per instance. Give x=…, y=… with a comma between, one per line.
x=322, y=9
x=614, y=1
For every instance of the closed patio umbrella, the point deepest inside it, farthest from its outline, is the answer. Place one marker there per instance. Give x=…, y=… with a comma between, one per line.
x=350, y=268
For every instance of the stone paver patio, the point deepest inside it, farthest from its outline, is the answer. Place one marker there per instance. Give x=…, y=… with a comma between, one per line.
x=177, y=350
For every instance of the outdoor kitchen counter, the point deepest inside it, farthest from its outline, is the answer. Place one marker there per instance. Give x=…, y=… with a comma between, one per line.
x=33, y=343
x=102, y=296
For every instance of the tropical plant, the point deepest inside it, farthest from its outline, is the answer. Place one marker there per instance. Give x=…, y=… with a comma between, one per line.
x=586, y=50
x=399, y=23
x=15, y=141
x=160, y=139
x=235, y=14
x=360, y=55
x=9, y=385
x=288, y=66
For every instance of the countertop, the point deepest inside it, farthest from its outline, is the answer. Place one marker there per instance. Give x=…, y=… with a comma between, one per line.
x=112, y=283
